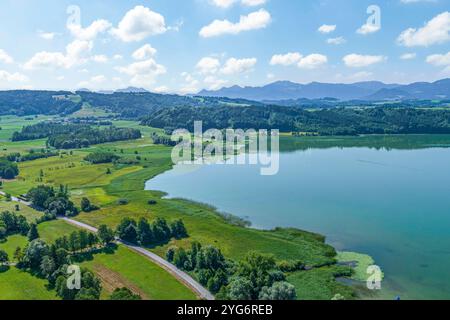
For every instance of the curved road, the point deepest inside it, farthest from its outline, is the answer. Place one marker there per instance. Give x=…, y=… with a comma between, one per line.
x=177, y=273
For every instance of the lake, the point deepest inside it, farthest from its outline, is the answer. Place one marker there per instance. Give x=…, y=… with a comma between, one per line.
x=385, y=196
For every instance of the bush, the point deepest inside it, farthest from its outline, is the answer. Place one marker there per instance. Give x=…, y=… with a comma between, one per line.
x=122, y=202
x=101, y=157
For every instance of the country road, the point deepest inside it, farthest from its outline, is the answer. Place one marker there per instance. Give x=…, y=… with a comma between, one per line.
x=177, y=273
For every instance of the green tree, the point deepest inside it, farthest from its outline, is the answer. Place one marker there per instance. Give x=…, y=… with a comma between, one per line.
x=33, y=232
x=278, y=291
x=240, y=289
x=124, y=294
x=105, y=234
x=3, y=257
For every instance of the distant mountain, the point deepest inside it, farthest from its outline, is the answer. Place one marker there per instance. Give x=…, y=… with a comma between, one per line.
x=132, y=90
x=369, y=90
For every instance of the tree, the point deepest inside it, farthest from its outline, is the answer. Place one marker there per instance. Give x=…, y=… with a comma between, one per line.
x=278, y=291
x=85, y=205
x=127, y=230
x=240, y=289
x=105, y=234
x=145, y=233
x=34, y=253
x=178, y=229
x=3, y=257
x=170, y=254
x=257, y=268
x=39, y=195
x=33, y=232
x=124, y=294
x=180, y=258
x=48, y=266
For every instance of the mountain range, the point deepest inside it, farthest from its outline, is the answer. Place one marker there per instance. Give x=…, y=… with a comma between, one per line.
x=369, y=90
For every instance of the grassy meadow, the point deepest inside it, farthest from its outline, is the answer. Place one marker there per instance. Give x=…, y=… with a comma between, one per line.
x=126, y=181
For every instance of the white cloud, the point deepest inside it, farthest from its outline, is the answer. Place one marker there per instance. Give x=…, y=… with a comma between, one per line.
x=408, y=56
x=143, y=73
x=326, y=28
x=161, y=89
x=144, y=52
x=256, y=20
x=286, y=59
x=253, y=3
x=214, y=83
x=416, y=1
x=12, y=77
x=313, y=61
x=358, y=61
x=208, y=65
x=91, y=32
x=5, y=57
x=76, y=53
x=368, y=28
x=235, y=66
x=101, y=58
x=435, y=31
x=439, y=60
x=336, y=41
x=138, y=24
x=46, y=35
x=117, y=57
x=228, y=3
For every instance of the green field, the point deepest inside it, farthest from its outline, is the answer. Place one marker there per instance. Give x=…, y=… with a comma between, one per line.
x=202, y=222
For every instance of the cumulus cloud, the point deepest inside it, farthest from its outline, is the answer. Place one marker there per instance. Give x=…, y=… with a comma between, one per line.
x=208, y=65
x=235, y=66
x=256, y=20
x=439, y=60
x=408, y=56
x=5, y=57
x=358, y=60
x=368, y=28
x=311, y=61
x=5, y=76
x=336, y=41
x=326, y=28
x=76, y=53
x=46, y=35
x=228, y=3
x=143, y=73
x=91, y=32
x=144, y=52
x=101, y=58
x=214, y=83
x=435, y=31
x=138, y=24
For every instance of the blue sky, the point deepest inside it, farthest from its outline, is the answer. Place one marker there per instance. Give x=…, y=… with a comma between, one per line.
x=186, y=45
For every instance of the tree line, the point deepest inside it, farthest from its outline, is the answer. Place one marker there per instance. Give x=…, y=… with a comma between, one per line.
x=73, y=136
x=332, y=121
x=256, y=277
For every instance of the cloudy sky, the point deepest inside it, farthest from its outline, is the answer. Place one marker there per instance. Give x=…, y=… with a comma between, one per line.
x=184, y=46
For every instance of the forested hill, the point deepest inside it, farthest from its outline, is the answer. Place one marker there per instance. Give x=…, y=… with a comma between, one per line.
x=26, y=102
x=337, y=121
x=138, y=104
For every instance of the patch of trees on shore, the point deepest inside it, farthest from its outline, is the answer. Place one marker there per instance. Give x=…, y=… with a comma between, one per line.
x=334, y=121
x=73, y=136
x=256, y=277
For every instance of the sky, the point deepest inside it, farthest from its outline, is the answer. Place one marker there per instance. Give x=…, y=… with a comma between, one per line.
x=183, y=46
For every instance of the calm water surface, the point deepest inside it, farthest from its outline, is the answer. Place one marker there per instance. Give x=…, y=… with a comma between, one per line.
x=393, y=205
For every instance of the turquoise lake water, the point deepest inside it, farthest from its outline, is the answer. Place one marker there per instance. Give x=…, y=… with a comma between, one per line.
x=393, y=205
